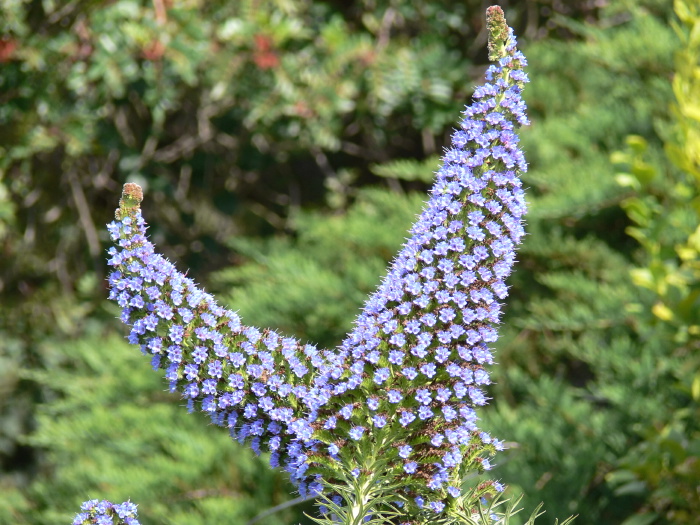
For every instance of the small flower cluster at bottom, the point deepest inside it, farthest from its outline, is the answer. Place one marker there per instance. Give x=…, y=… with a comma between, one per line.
x=105, y=512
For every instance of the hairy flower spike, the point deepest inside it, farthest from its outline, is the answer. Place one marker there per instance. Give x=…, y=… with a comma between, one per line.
x=390, y=413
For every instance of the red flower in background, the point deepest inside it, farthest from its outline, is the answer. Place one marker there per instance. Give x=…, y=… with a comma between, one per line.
x=263, y=56
x=153, y=51
x=7, y=48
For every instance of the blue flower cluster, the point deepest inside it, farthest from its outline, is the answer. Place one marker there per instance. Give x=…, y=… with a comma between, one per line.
x=406, y=380
x=96, y=512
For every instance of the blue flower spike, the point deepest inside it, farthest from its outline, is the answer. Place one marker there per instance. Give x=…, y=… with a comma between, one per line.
x=383, y=426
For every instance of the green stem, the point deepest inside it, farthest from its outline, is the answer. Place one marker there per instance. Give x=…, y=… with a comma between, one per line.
x=363, y=495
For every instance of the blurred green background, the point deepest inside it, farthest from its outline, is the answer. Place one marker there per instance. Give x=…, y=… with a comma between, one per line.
x=285, y=147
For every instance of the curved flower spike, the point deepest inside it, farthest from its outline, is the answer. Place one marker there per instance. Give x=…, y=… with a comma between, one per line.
x=391, y=411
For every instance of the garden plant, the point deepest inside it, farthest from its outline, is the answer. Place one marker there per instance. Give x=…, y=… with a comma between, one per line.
x=383, y=427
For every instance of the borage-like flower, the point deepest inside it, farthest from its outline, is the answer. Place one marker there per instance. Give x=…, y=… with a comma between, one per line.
x=390, y=412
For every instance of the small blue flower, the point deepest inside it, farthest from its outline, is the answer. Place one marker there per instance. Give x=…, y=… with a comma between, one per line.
x=381, y=375
x=410, y=373
x=425, y=412
x=405, y=451
x=346, y=412
x=410, y=467
x=379, y=421
x=406, y=418
x=394, y=396
x=428, y=369
x=356, y=433
x=437, y=506
x=423, y=396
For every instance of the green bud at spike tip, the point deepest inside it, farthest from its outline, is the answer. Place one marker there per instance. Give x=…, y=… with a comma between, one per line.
x=132, y=195
x=498, y=32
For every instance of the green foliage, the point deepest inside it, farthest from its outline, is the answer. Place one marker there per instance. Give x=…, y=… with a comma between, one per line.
x=407, y=169
x=664, y=466
x=685, y=151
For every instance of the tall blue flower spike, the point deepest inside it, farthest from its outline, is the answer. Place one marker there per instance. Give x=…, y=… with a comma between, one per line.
x=390, y=412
